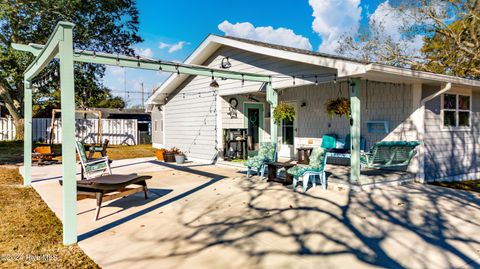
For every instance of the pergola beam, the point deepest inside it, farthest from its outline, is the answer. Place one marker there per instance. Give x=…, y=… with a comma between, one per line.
x=148, y=64
x=48, y=51
x=60, y=46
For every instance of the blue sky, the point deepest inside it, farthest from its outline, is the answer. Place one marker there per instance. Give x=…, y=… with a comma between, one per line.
x=173, y=29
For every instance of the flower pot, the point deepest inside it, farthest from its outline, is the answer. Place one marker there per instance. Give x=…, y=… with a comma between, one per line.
x=160, y=155
x=169, y=157
x=180, y=158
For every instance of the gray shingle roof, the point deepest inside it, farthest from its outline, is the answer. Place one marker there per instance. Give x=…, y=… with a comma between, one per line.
x=291, y=49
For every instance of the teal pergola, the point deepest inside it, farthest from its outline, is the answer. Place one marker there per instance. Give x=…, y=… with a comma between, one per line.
x=60, y=46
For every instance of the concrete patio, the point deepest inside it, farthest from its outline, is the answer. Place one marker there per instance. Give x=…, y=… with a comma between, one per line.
x=205, y=216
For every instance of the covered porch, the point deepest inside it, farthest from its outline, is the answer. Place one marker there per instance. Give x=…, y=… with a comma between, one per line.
x=381, y=111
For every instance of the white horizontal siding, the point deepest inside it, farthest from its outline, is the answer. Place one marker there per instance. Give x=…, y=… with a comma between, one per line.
x=450, y=154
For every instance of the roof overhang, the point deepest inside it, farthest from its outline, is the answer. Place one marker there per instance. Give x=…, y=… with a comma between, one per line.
x=344, y=68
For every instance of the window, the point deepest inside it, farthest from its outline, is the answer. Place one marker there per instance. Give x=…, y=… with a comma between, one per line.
x=456, y=110
x=155, y=127
x=287, y=132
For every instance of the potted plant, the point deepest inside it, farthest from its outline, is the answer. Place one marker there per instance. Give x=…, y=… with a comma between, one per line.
x=169, y=156
x=160, y=154
x=283, y=111
x=179, y=155
x=339, y=106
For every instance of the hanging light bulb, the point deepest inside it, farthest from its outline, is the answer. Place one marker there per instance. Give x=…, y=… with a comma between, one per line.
x=316, y=80
x=293, y=80
x=214, y=83
x=335, y=79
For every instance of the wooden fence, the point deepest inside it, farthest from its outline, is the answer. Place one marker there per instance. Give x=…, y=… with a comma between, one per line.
x=118, y=131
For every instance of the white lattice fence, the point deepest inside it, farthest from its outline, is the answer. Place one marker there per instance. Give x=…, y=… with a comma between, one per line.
x=117, y=131
x=7, y=129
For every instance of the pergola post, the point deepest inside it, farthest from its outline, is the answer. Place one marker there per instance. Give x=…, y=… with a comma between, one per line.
x=27, y=131
x=272, y=99
x=355, y=125
x=65, y=52
x=60, y=45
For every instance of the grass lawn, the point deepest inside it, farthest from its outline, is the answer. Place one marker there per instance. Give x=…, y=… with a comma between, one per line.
x=11, y=152
x=469, y=185
x=30, y=233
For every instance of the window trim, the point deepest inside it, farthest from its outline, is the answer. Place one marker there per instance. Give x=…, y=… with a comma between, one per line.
x=456, y=110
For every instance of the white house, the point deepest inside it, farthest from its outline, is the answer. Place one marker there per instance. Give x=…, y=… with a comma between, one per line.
x=442, y=112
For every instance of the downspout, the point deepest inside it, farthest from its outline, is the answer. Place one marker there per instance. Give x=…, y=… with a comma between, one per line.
x=421, y=131
x=430, y=97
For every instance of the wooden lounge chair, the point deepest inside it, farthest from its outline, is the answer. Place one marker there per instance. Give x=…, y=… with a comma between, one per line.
x=389, y=154
x=266, y=154
x=110, y=187
x=92, y=167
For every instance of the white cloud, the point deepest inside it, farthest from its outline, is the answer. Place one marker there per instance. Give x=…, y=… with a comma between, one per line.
x=163, y=45
x=144, y=52
x=334, y=18
x=280, y=36
x=174, y=47
x=114, y=70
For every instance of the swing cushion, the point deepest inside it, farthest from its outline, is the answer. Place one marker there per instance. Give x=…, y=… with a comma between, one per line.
x=329, y=141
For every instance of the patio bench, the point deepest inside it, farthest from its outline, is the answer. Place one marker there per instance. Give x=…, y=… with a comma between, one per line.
x=389, y=154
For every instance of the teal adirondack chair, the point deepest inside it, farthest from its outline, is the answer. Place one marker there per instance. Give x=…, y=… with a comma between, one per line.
x=95, y=167
x=267, y=153
x=316, y=167
x=389, y=154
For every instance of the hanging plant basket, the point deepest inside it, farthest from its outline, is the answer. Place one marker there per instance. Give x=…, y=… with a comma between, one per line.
x=283, y=111
x=339, y=106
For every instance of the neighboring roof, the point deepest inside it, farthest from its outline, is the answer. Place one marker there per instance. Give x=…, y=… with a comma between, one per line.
x=118, y=111
x=346, y=67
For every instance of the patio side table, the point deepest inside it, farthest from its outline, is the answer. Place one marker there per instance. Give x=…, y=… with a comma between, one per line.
x=303, y=154
x=273, y=169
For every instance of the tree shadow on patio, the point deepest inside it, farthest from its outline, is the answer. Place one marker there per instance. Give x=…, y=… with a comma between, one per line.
x=411, y=226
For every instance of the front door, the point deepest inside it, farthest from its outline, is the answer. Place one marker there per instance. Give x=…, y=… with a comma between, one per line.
x=288, y=132
x=254, y=124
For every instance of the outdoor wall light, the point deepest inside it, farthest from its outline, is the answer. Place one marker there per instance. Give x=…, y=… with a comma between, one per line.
x=225, y=64
x=304, y=104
